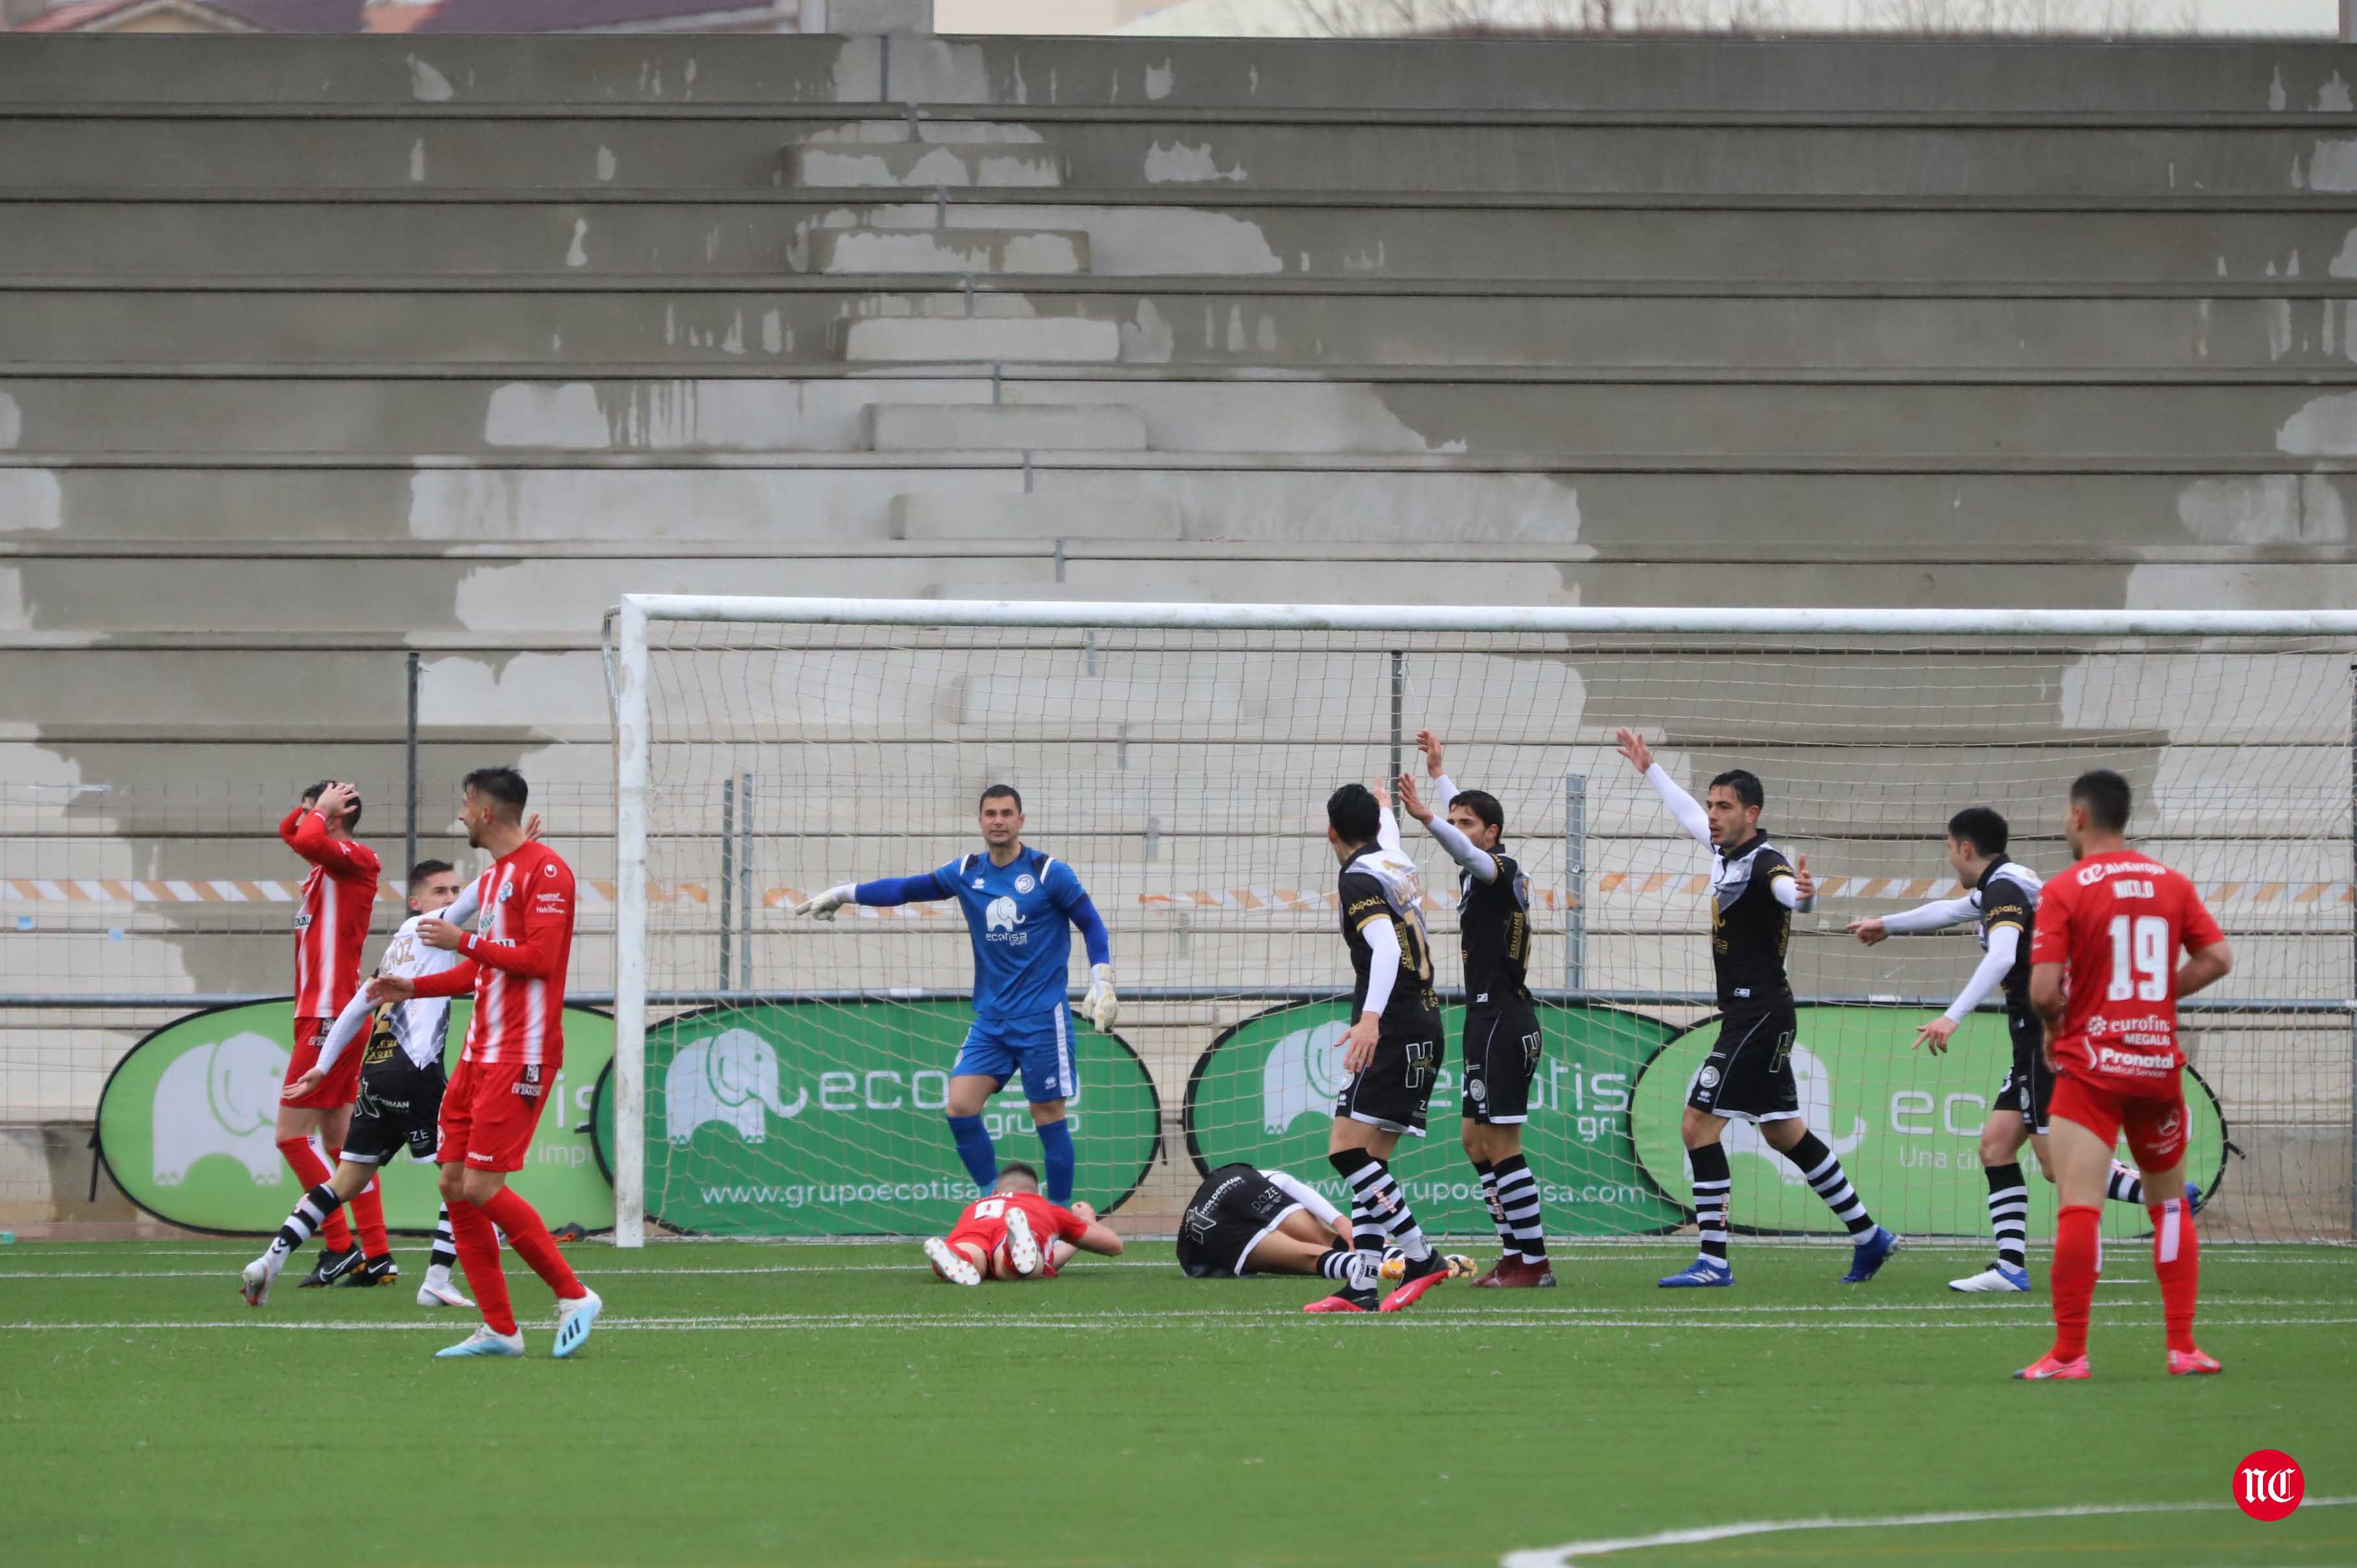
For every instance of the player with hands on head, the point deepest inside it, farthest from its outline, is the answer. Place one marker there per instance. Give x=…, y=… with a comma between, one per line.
x=1020, y=906
x=2001, y=894
x=332, y=924
x=1754, y=893
x=1502, y=1042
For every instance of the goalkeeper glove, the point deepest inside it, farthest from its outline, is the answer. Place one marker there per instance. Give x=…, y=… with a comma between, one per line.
x=1101, y=1007
x=825, y=906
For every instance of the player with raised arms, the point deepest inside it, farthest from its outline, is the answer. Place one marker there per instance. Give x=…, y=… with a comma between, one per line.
x=2002, y=893
x=1019, y=905
x=2106, y=976
x=1503, y=1040
x=1391, y=1054
x=515, y=1047
x=1015, y=1234
x=1754, y=893
x=401, y=1088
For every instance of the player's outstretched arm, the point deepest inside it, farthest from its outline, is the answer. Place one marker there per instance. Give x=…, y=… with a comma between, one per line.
x=2004, y=947
x=1937, y=916
x=1100, y=1239
x=1310, y=1198
x=1460, y=848
x=1682, y=807
x=888, y=893
x=1100, y=1005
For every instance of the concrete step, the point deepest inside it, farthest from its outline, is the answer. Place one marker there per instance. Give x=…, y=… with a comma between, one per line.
x=100, y=155
x=425, y=240
x=1046, y=251
x=844, y=165
x=990, y=339
x=683, y=505
x=1650, y=76
x=1842, y=425
x=946, y=518
x=1004, y=428
x=1289, y=329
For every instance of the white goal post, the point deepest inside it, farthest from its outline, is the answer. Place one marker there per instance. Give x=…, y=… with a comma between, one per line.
x=1875, y=723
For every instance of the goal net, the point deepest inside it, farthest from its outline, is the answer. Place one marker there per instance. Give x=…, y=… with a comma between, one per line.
x=785, y=1077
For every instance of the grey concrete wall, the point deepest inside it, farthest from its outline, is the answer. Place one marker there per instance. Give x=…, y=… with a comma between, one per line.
x=313, y=352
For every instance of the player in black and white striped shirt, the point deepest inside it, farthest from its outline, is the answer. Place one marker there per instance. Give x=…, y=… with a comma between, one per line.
x=1754, y=892
x=1502, y=1039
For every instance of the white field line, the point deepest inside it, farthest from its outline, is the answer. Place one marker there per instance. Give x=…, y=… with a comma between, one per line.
x=1571, y=1554
x=2254, y=1254
x=1082, y=1321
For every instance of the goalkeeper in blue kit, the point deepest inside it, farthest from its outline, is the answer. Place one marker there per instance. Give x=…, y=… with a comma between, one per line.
x=1020, y=906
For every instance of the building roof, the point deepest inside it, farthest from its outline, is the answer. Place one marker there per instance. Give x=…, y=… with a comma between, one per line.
x=227, y=15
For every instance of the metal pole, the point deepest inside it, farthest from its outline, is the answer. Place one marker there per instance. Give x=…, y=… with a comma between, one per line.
x=1575, y=883
x=2348, y=21
x=410, y=838
x=1399, y=702
x=2352, y=931
x=632, y=740
x=745, y=882
x=728, y=873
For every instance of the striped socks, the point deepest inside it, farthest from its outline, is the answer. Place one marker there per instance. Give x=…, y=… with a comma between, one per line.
x=1518, y=1205
x=2008, y=1207
x=1821, y=1169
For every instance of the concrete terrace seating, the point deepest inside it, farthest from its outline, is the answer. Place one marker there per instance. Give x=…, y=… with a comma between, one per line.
x=316, y=352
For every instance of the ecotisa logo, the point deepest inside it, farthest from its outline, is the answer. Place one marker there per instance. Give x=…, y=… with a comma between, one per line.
x=2268, y=1484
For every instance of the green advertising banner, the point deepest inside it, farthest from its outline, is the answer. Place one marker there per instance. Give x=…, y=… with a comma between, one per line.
x=1905, y=1123
x=824, y=1119
x=1264, y=1093
x=186, y=1124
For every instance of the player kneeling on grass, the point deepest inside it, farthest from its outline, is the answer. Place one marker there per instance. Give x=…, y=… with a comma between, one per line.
x=1015, y=1234
x=401, y=1085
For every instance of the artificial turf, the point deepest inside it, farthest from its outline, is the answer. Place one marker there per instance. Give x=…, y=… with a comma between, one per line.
x=825, y=1405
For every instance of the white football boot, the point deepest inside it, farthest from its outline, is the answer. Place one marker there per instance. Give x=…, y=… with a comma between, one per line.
x=1998, y=1278
x=483, y=1342
x=1022, y=1247
x=949, y=1264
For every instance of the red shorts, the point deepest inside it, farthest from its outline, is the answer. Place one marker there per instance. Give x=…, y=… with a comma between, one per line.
x=489, y=1113
x=2154, y=1122
x=343, y=1086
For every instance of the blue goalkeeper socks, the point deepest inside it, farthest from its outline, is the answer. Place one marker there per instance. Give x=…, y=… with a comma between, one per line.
x=974, y=1148
x=1056, y=1149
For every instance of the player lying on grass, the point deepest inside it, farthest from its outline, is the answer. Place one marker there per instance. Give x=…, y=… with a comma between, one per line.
x=1246, y=1220
x=1748, y=1076
x=2002, y=894
x=515, y=1047
x=400, y=1086
x=1019, y=905
x=1502, y=1042
x=1015, y=1234
x=2106, y=976
x=1392, y=1053
x=331, y=923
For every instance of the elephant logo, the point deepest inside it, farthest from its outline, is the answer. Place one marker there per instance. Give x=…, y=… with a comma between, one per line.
x=1302, y=1076
x=1002, y=914
x=731, y=1079
x=220, y=1098
x=1816, y=1088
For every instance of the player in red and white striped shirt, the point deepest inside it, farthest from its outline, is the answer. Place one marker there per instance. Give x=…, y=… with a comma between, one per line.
x=330, y=924
x=515, y=1044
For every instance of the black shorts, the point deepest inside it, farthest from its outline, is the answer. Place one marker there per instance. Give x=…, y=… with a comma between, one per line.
x=1394, y=1087
x=1502, y=1058
x=1748, y=1077
x=2029, y=1086
x=1231, y=1213
x=400, y=1102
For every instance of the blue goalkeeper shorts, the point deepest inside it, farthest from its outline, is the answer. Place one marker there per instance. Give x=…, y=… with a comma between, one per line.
x=1040, y=1047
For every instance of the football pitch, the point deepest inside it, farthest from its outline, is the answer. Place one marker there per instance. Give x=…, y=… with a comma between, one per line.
x=747, y=1404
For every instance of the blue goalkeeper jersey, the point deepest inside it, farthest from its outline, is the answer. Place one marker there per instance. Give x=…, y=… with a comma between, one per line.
x=1020, y=918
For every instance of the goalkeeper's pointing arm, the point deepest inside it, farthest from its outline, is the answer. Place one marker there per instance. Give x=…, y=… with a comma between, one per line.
x=888, y=893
